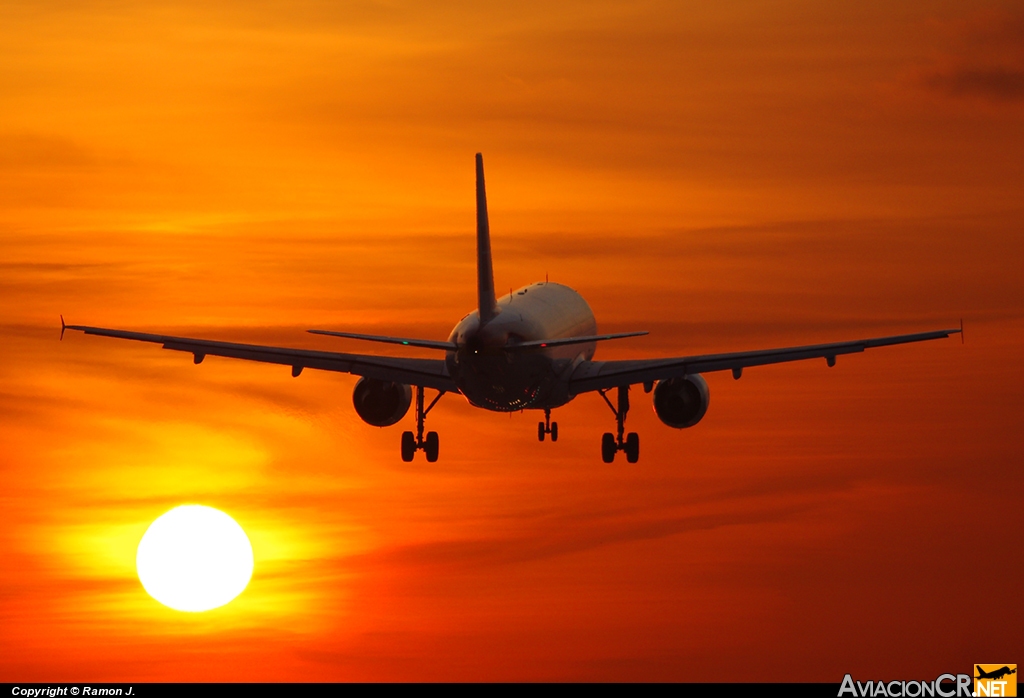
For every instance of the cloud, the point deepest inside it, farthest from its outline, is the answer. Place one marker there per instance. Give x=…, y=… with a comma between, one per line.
x=983, y=58
x=578, y=534
x=39, y=151
x=1000, y=84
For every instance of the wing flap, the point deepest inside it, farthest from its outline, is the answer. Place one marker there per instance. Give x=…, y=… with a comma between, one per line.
x=429, y=373
x=601, y=375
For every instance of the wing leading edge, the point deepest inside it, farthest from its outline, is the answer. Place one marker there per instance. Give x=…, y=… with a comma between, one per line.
x=432, y=373
x=602, y=375
x=428, y=373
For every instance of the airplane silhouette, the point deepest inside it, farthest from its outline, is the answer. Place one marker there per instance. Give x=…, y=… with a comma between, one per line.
x=996, y=674
x=532, y=349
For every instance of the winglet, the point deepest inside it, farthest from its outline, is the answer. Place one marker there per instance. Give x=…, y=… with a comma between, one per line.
x=486, y=301
x=62, y=328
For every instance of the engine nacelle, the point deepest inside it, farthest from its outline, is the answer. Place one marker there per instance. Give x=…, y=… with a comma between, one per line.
x=681, y=402
x=381, y=403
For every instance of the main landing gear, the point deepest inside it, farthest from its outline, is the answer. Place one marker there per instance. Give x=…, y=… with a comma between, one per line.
x=414, y=442
x=547, y=427
x=613, y=443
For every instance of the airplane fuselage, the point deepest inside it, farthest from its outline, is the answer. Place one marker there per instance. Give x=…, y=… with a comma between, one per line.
x=507, y=381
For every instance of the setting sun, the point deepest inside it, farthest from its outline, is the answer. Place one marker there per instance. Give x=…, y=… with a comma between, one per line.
x=194, y=558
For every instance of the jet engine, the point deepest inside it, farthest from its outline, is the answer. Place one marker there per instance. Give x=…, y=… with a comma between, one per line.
x=381, y=403
x=681, y=402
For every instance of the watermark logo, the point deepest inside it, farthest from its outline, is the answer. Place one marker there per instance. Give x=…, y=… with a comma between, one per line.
x=990, y=681
x=945, y=686
x=995, y=680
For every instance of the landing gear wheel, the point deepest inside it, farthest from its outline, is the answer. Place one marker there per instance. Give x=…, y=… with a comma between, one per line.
x=408, y=446
x=608, y=447
x=632, y=447
x=547, y=426
x=612, y=443
x=413, y=442
x=431, y=446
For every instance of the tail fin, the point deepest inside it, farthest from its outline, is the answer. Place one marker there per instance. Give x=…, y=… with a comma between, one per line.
x=486, y=301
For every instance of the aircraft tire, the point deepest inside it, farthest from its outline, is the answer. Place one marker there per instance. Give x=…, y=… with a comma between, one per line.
x=632, y=447
x=608, y=447
x=540, y=431
x=432, y=446
x=554, y=431
x=408, y=446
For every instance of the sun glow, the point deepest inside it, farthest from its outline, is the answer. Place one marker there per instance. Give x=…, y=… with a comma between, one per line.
x=194, y=558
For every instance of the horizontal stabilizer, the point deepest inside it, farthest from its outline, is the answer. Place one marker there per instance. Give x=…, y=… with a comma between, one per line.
x=423, y=343
x=540, y=343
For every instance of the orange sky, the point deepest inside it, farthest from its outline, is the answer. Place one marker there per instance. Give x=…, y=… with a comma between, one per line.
x=737, y=177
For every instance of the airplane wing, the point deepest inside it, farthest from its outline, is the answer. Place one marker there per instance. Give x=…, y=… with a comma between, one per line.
x=428, y=373
x=602, y=375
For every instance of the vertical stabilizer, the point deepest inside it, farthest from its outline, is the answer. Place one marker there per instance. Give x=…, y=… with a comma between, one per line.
x=486, y=301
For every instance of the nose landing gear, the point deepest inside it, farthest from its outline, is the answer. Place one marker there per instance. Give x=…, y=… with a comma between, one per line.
x=415, y=442
x=613, y=443
x=547, y=427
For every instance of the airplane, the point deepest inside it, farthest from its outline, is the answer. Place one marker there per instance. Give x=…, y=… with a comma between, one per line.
x=995, y=674
x=533, y=349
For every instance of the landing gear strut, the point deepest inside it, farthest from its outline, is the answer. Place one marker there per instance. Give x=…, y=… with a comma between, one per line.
x=547, y=427
x=415, y=442
x=613, y=443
